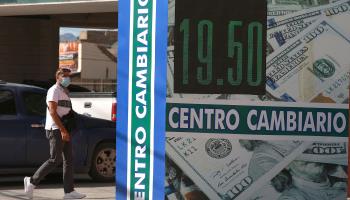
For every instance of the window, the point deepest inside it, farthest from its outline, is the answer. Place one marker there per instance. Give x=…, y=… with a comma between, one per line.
x=35, y=103
x=7, y=103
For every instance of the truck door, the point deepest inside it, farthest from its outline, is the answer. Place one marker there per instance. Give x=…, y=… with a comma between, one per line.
x=12, y=132
x=35, y=112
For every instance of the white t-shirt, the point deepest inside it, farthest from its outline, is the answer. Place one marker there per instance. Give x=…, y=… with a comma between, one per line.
x=57, y=94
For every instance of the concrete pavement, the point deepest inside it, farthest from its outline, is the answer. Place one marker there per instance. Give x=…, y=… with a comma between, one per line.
x=12, y=188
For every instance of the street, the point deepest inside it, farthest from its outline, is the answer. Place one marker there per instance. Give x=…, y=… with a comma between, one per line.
x=11, y=187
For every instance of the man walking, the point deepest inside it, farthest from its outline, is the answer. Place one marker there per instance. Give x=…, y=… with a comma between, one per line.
x=59, y=104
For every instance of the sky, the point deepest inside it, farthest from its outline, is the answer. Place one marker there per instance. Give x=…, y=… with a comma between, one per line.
x=76, y=31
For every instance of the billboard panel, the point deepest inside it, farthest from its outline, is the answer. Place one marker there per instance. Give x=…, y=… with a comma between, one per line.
x=276, y=144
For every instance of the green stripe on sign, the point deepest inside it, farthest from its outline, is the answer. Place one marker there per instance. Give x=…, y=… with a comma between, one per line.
x=141, y=100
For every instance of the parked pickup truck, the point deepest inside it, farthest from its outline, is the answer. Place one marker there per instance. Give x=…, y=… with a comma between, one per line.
x=93, y=104
x=24, y=146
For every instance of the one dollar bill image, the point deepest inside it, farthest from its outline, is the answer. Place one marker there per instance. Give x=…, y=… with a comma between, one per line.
x=314, y=67
x=229, y=168
x=282, y=29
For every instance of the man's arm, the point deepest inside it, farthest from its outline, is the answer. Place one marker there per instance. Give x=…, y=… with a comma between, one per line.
x=53, y=112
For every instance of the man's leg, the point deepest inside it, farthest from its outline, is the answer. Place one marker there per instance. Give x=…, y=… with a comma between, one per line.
x=55, y=159
x=67, y=167
x=69, y=191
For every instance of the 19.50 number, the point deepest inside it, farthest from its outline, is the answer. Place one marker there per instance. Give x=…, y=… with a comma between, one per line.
x=235, y=51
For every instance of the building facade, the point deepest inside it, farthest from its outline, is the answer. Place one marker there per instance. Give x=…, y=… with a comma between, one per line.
x=29, y=35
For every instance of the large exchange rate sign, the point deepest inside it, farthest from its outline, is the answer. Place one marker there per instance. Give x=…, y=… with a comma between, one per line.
x=220, y=46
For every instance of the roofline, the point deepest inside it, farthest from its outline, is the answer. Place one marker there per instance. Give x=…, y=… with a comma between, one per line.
x=80, y=6
x=11, y=84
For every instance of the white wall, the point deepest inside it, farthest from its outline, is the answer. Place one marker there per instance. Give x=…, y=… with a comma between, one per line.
x=94, y=64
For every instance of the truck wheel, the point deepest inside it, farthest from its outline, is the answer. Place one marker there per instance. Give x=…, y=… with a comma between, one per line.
x=103, y=163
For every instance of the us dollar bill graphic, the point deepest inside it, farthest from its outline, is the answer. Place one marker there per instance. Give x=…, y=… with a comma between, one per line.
x=323, y=152
x=281, y=29
x=311, y=179
x=314, y=67
x=283, y=7
x=229, y=168
x=297, y=188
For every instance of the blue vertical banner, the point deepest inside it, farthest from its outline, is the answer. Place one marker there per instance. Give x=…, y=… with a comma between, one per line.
x=141, y=95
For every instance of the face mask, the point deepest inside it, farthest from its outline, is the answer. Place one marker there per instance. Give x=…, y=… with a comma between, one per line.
x=65, y=81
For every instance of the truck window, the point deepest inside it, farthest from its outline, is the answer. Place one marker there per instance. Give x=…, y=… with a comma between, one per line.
x=7, y=103
x=34, y=103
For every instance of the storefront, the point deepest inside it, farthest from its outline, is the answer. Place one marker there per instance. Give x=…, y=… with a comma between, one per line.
x=256, y=107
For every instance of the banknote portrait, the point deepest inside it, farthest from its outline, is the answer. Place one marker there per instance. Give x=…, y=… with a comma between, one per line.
x=311, y=180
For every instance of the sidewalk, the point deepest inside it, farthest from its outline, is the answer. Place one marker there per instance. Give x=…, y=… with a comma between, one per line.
x=53, y=191
x=98, y=193
x=56, y=192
